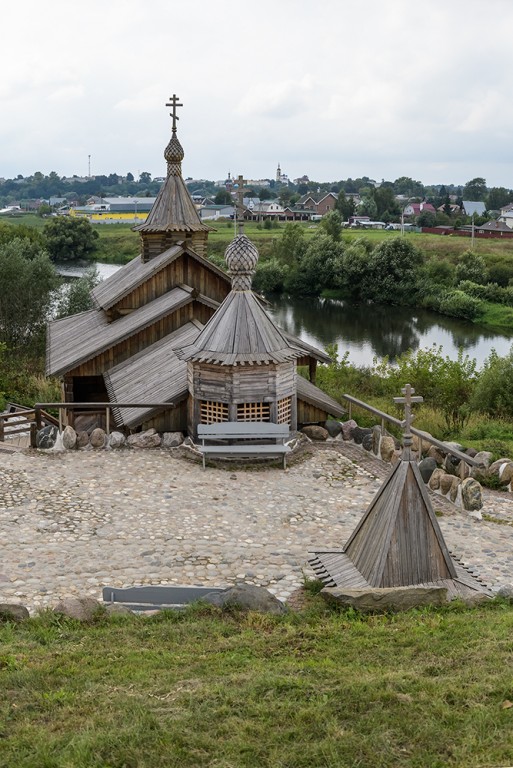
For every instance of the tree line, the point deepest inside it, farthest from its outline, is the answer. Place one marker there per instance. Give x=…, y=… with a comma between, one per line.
x=393, y=271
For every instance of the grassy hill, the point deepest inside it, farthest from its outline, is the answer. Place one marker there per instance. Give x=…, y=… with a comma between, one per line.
x=315, y=689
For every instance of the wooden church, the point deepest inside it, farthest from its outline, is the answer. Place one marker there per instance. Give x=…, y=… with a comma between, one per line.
x=171, y=327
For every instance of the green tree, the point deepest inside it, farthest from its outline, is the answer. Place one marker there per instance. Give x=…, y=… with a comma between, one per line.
x=385, y=201
x=497, y=198
x=291, y=247
x=68, y=238
x=318, y=267
x=331, y=223
x=426, y=219
x=129, y=177
x=471, y=266
x=406, y=186
x=475, y=189
x=345, y=206
x=26, y=294
x=223, y=197
x=367, y=207
x=76, y=296
x=145, y=177
x=394, y=272
x=353, y=273
x=494, y=389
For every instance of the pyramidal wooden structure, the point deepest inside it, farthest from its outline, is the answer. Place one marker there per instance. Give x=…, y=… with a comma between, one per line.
x=398, y=542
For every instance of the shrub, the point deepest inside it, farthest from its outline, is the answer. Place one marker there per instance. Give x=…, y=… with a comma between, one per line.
x=460, y=304
x=270, y=276
x=494, y=390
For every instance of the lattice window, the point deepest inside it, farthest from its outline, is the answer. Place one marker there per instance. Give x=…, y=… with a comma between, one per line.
x=283, y=410
x=212, y=413
x=253, y=412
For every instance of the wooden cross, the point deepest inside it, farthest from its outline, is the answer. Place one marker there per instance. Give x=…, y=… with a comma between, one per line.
x=173, y=102
x=239, y=183
x=408, y=400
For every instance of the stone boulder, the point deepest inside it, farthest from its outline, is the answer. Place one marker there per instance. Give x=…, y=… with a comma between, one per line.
x=82, y=439
x=368, y=442
x=421, y=445
x=502, y=469
x=426, y=468
x=247, y=597
x=79, y=608
x=116, y=440
x=347, y=428
x=376, y=439
x=471, y=452
x=69, y=438
x=447, y=483
x=98, y=438
x=148, y=439
x=484, y=458
x=333, y=427
x=172, y=439
x=358, y=433
x=13, y=612
x=315, y=432
x=117, y=609
x=47, y=437
x=434, y=480
x=382, y=600
x=387, y=447
x=471, y=494
x=437, y=454
x=451, y=464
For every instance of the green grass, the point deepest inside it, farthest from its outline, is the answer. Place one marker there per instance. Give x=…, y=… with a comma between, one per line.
x=322, y=689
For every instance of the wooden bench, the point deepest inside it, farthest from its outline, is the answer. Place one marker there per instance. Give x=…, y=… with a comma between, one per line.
x=244, y=439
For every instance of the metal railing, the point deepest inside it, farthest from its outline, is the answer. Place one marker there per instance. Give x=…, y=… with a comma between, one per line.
x=40, y=408
x=421, y=435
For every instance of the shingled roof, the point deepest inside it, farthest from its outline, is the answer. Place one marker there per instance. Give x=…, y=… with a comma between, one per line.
x=155, y=375
x=136, y=272
x=173, y=210
x=74, y=340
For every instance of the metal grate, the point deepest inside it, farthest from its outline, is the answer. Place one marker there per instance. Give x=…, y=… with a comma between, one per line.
x=253, y=412
x=283, y=410
x=212, y=413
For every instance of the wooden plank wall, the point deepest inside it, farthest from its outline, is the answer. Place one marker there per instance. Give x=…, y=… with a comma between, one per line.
x=143, y=339
x=183, y=270
x=309, y=414
x=241, y=383
x=154, y=243
x=174, y=420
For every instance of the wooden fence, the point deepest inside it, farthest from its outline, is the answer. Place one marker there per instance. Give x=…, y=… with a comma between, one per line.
x=421, y=435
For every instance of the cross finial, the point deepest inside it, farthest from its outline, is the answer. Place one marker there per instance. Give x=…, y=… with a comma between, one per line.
x=407, y=400
x=239, y=185
x=173, y=102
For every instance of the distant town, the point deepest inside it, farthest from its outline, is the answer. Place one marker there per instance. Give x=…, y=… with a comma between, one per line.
x=362, y=202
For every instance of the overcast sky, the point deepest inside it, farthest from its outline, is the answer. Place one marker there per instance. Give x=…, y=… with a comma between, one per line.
x=332, y=88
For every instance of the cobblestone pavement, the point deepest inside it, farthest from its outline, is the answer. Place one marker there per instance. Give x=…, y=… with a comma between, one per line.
x=71, y=523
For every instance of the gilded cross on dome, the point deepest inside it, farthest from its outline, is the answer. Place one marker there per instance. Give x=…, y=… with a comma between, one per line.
x=174, y=103
x=408, y=400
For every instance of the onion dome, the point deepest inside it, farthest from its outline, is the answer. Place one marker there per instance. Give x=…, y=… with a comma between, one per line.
x=174, y=155
x=241, y=257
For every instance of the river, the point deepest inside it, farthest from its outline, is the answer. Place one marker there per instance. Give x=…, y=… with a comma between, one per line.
x=368, y=331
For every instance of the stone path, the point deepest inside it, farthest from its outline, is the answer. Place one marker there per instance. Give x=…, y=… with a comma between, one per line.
x=72, y=523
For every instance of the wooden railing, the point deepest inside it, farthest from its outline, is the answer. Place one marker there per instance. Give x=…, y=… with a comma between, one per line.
x=19, y=421
x=91, y=407
x=421, y=435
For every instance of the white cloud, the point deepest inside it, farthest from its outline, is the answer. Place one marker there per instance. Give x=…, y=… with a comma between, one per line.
x=334, y=89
